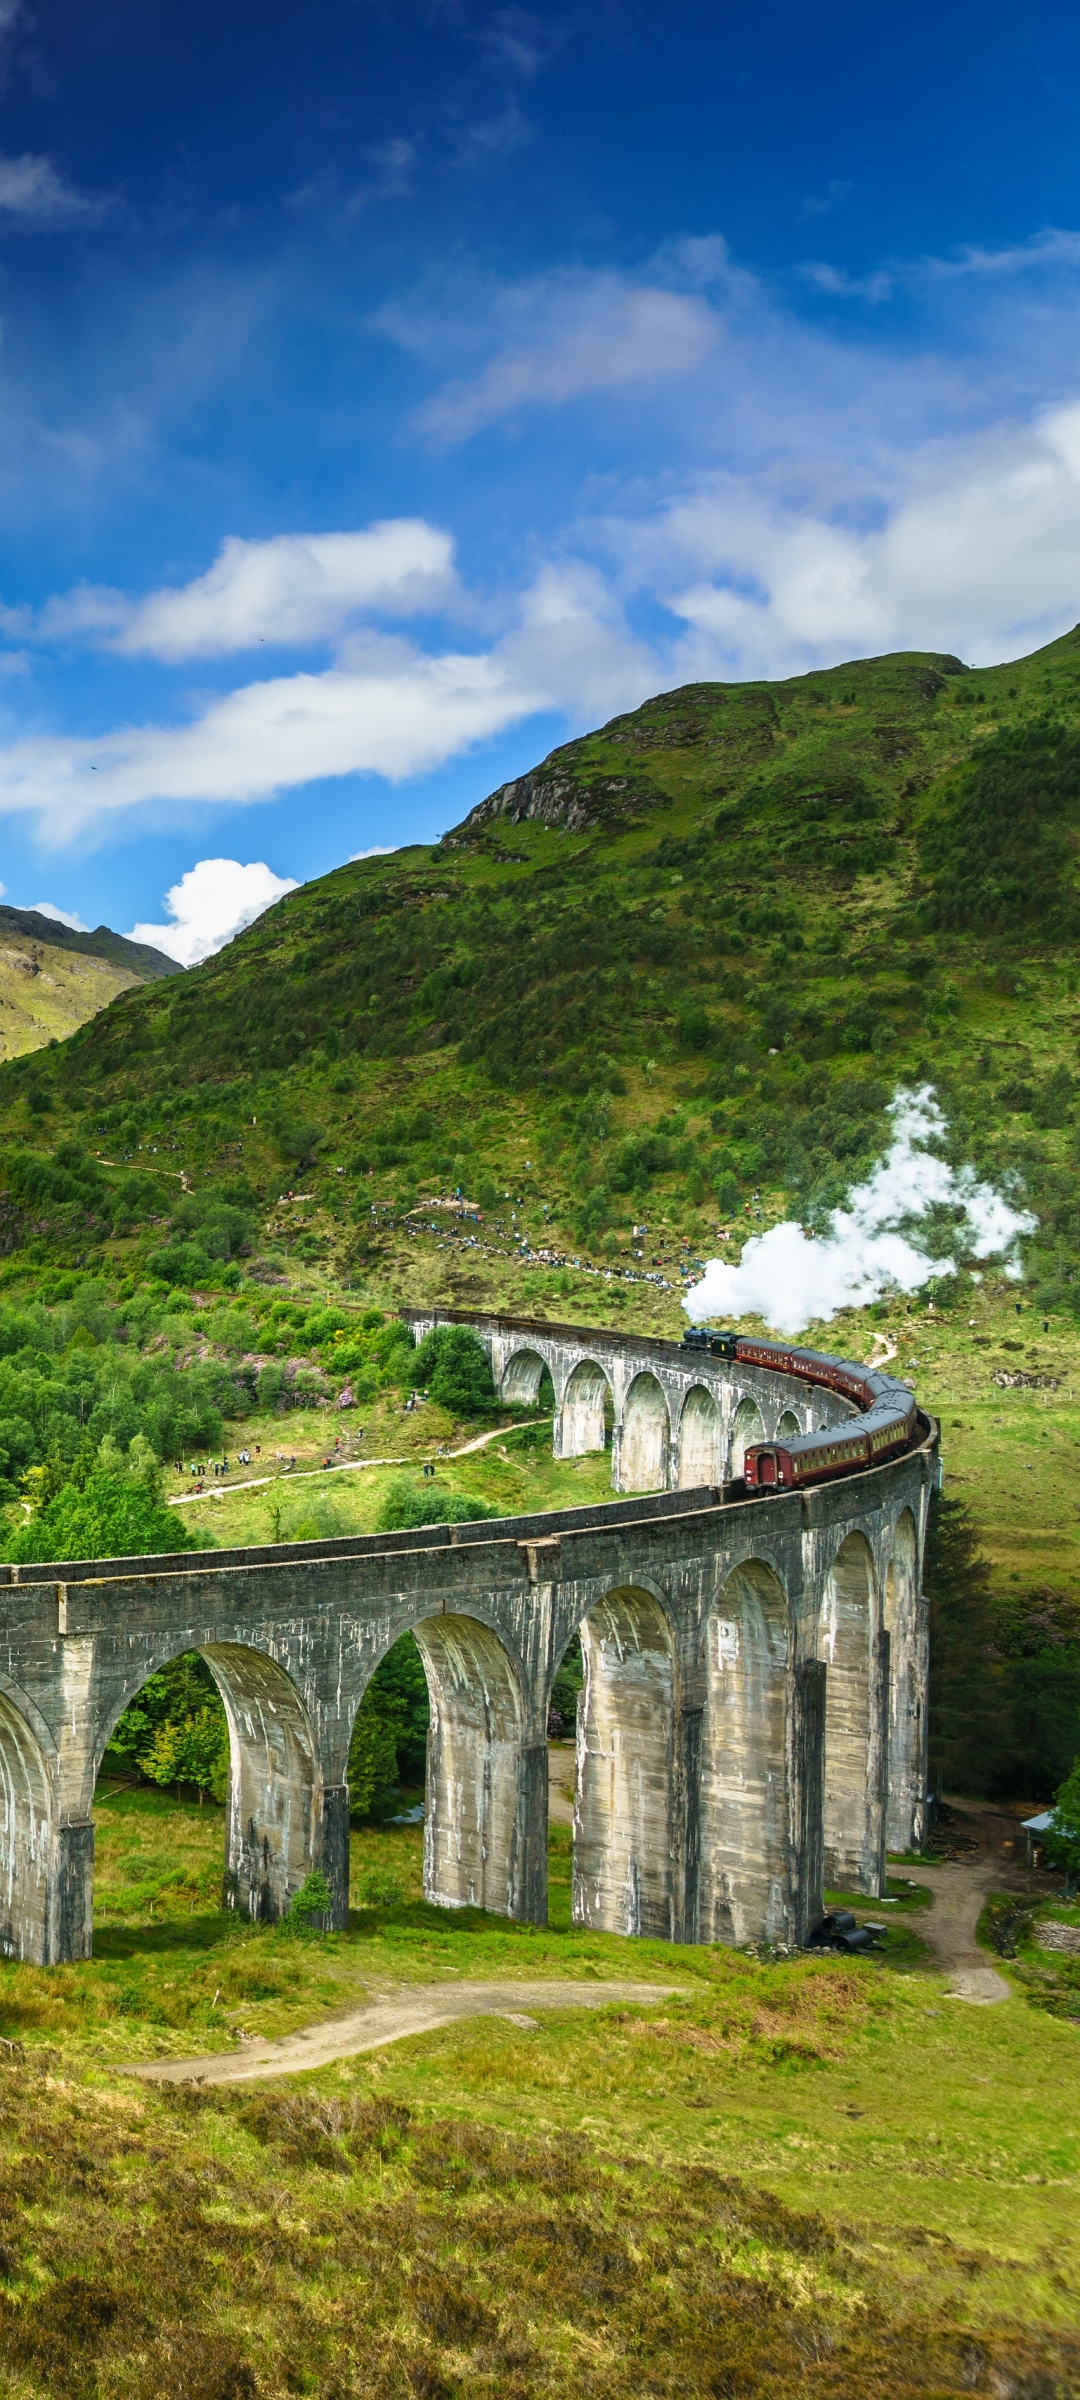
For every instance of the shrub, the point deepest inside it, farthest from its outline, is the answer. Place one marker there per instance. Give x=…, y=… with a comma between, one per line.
x=378, y=1888
x=409, y=1504
x=452, y=1364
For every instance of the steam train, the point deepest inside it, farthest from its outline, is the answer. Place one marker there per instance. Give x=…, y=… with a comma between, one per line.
x=886, y=1422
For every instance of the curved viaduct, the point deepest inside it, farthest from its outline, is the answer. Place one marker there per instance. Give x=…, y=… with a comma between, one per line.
x=752, y=1724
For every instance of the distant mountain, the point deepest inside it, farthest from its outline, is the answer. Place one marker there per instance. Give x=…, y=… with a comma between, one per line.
x=145, y=964
x=52, y=980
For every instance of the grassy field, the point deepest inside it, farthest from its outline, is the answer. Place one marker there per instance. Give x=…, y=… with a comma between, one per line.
x=811, y=2172
x=514, y=1472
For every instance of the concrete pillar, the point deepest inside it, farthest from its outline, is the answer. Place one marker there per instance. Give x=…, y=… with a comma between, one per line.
x=580, y=1419
x=640, y=1456
x=808, y=1772
x=853, y=1701
x=332, y=1850
x=624, y=1879
x=700, y=1446
x=686, y=1827
x=27, y=1848
x=529, y=1861
x=71, y=1895
x=878, y=1766
x=275, y=1785
x=747, y=1426
x=907, y=1696
x=747, y=1863
x=480, y=1831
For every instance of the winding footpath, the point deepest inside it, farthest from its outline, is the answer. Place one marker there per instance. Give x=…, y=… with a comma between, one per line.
x=391, y=2016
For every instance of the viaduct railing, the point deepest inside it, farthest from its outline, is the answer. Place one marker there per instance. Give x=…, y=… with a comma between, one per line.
x=753, y=1718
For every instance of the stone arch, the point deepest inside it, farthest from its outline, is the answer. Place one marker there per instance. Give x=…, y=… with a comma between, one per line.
x=274, y=1807
x=907, y=1698
x=478, y=1825
x=852, y=1764
x=701, y=1440
x=788, y=1425
x=746, y=1885
x=748, y=1426
x=584, y=1416
x=644, y=1437
x=523, y=1376
x=623, y=1871
x=26, y=1839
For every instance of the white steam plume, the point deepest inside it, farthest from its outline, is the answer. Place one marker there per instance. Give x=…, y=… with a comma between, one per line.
x=791, y=1280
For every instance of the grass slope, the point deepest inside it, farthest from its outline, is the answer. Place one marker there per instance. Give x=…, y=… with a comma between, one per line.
x=680, y=997
x=809, y=2174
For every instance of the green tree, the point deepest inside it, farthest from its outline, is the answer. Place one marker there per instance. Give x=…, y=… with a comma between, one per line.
x=1063, y=1839
x=192, y=1749
x=407, y=1504
x=969, y=1716
x=114, y=1515
x=452, y=1364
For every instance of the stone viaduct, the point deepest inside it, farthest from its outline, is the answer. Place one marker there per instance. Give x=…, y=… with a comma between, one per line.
x=753, y=1719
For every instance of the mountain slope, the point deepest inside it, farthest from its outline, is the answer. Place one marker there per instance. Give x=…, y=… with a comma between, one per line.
x=689, y=957
x=53, y=979
x=639, y=1003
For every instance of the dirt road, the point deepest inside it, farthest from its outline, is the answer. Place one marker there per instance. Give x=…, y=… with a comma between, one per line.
x=961, y=1886
x=390, y=2017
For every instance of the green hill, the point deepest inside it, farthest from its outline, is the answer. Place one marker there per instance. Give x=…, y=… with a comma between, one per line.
x=52, y=979
x=669, y=980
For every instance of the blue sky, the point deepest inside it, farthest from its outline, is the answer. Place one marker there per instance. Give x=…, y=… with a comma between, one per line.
x=387, y=392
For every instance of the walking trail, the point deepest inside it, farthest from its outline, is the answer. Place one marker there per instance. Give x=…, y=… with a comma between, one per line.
x=339, y=1466
x=961, y=1887
x=390, y=2017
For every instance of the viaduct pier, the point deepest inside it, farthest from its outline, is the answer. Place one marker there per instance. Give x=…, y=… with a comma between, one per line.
x=753, y=1719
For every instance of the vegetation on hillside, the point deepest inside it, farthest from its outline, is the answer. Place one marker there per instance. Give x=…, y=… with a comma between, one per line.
x=619, y=1039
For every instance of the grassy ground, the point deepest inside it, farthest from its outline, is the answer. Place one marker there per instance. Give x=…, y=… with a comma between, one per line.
x=811, y=2173
x=1010, y=1449
x=515, y=1472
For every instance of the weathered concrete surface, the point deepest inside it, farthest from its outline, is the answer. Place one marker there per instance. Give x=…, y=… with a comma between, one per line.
x=677, y=1418
x=741, y=1692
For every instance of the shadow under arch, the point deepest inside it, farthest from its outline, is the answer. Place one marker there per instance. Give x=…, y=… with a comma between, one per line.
x=906, y=1804
x=478, y=1827
x=281, y=1820
x=523, y=1378
x=586, y=1412
x=701, y=1440
x=788, y=1425
x=276, y=1799
x=853, y=1810
x=746, y=1870
x=748, y=1426
x=28, y=1900
x=644, y=1437
x=623, y=1869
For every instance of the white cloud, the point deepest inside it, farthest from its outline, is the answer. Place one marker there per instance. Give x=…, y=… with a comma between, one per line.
x=210, y=904
x=32, y=190
x=296, y=589
x=793, y=1281
x=572, y=337
x=377, y=850
x=60, y=916
x=975, y=549
x=388, y=709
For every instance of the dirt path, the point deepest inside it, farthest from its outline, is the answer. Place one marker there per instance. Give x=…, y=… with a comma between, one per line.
x=415, y=2008
x=341, y=1466
x=961, y=1885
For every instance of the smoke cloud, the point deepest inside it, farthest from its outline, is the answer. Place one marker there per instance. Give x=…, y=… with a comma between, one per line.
x=792, y=1280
